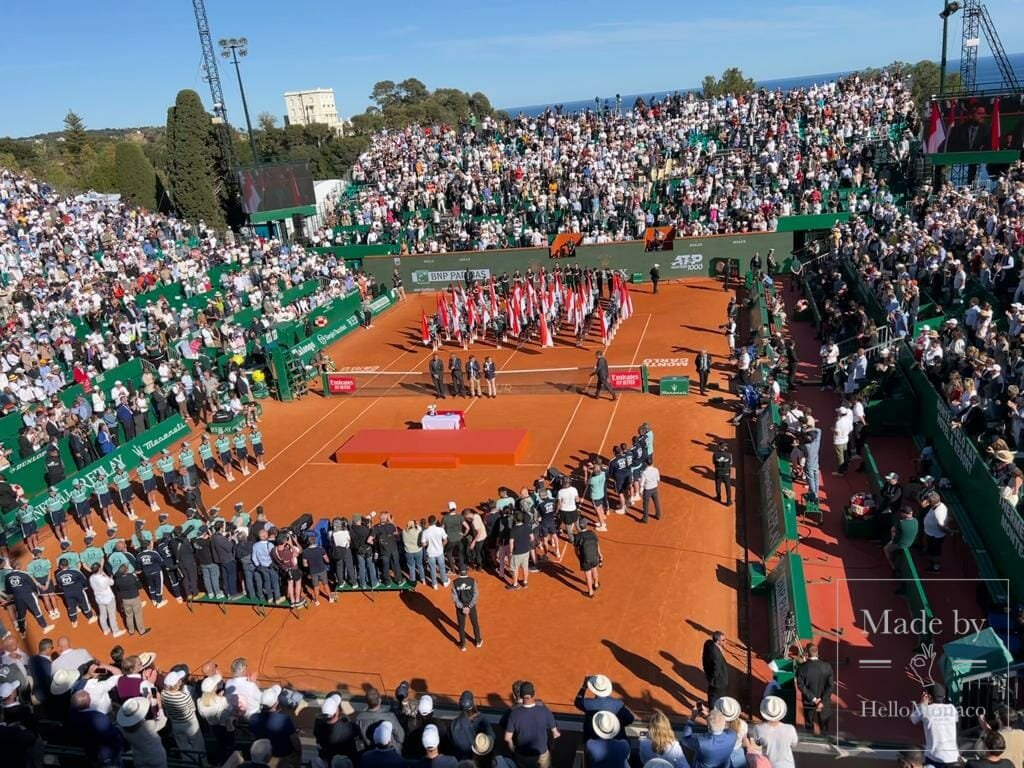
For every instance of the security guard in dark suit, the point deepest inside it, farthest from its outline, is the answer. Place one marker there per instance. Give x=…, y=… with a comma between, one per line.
x=814, y=679
x=703, y=370
x=601, y=372
x=722, y=460
x=437, y=375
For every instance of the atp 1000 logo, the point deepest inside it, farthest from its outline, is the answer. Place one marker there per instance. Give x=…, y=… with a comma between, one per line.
x=691, y=262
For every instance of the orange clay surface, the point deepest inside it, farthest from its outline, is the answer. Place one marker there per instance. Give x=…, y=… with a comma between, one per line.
x=664, y=585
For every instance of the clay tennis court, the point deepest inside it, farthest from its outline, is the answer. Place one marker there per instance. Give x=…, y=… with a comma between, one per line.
x=664, y=586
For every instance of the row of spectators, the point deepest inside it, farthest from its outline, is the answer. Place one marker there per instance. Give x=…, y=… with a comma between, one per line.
x=704, y=166
x=954, y=255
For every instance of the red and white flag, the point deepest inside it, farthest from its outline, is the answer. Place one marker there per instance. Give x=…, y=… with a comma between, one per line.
x=936, y=131
x=424, y=328
x=626, y=300
x=996, y=127
x=471, y=316
x=576, y=311
x=531, y=300
x=604, y=325
x=494, y=300
x=442, y=311
x=545, y=333
x=514, y=324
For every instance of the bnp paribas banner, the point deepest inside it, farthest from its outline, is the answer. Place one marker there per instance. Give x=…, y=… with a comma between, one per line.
x=131, y=454
x=326, y=335
x=439, y=278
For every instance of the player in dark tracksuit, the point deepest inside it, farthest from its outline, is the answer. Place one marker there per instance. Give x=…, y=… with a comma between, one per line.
x=72, y=584
x=618, y=470
x=21, y=588
x=165, y=548
x=152, y=567
x=185, y=557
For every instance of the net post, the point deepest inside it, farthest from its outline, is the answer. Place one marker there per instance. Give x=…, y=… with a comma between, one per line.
x=644, y=385
x=323, y=383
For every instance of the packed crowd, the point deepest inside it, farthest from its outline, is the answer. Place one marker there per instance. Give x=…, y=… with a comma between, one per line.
x=703, y=166
x=955, y=256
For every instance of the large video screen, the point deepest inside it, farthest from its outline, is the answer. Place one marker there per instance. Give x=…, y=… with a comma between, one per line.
x=975, y=124
x=272, y=187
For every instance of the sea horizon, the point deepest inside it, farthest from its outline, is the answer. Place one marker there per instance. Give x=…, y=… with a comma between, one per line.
x=987, y=73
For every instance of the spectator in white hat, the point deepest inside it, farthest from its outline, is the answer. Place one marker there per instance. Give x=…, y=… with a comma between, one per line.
x=383, y=753
x=730, y=709
x=143, y=733
x=605, y=749
x=335, y=734
x=273, y=724
x=180, y=708
x=432, y=749
x=775, y=737
x=601, y=700
x=661, y=742
x=214, y=708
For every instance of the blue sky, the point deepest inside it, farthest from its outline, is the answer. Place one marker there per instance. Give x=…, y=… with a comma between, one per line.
x=120, y=64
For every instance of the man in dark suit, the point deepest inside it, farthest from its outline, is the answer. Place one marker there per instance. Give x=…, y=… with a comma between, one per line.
x=655, y=277
x=703, y=370
x=716, y=670
x=603, y=381
x=970, y=135
x=814, y=679
x=437, y=375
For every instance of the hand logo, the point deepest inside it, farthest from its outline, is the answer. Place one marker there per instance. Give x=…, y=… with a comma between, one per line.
x=920, y=665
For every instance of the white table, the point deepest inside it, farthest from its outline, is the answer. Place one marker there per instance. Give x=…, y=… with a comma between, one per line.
x=451, y=421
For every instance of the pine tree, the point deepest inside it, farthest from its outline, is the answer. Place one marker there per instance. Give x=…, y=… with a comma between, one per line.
x=190, y=161
x=136, y=179
x=75, y=137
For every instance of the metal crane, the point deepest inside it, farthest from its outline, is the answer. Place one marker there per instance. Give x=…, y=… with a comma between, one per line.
x=977, y=21
x=213, y=78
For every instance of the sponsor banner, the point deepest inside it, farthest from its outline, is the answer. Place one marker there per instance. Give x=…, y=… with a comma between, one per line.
x=675, y=386
x=692, y=263
x=325, y=336
x=631, y=379
x=444, y=276
x=666, y=362
x=130, y=454
x=339, y=384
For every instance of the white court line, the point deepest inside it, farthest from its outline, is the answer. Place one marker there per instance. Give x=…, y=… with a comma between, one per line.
x=565, y=432
x=611, y=420
x=283, y=451
x=330, y=440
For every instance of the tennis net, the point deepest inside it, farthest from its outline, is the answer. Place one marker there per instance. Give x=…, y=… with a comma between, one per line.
x=369, y=382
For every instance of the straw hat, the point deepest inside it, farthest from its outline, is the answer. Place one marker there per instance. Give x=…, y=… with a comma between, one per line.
x=1005, y=457
x=146, y=660
x=773, y=708
x=606, y=725
x=483, y=744
x=729, y=707
x=63, y=681
x=133, y=711
x=599, y=685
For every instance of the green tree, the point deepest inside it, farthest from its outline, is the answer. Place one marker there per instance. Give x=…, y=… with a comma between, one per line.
x=136, y=179
x=732, y=82
x=75, y=137
x=190, y=160
x=412, y=91
x=266, y=121
x=99, y=170
x=21, y=154
x=385, y=93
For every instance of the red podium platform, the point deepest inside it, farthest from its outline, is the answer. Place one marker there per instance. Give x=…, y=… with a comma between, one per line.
x=429, y=449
